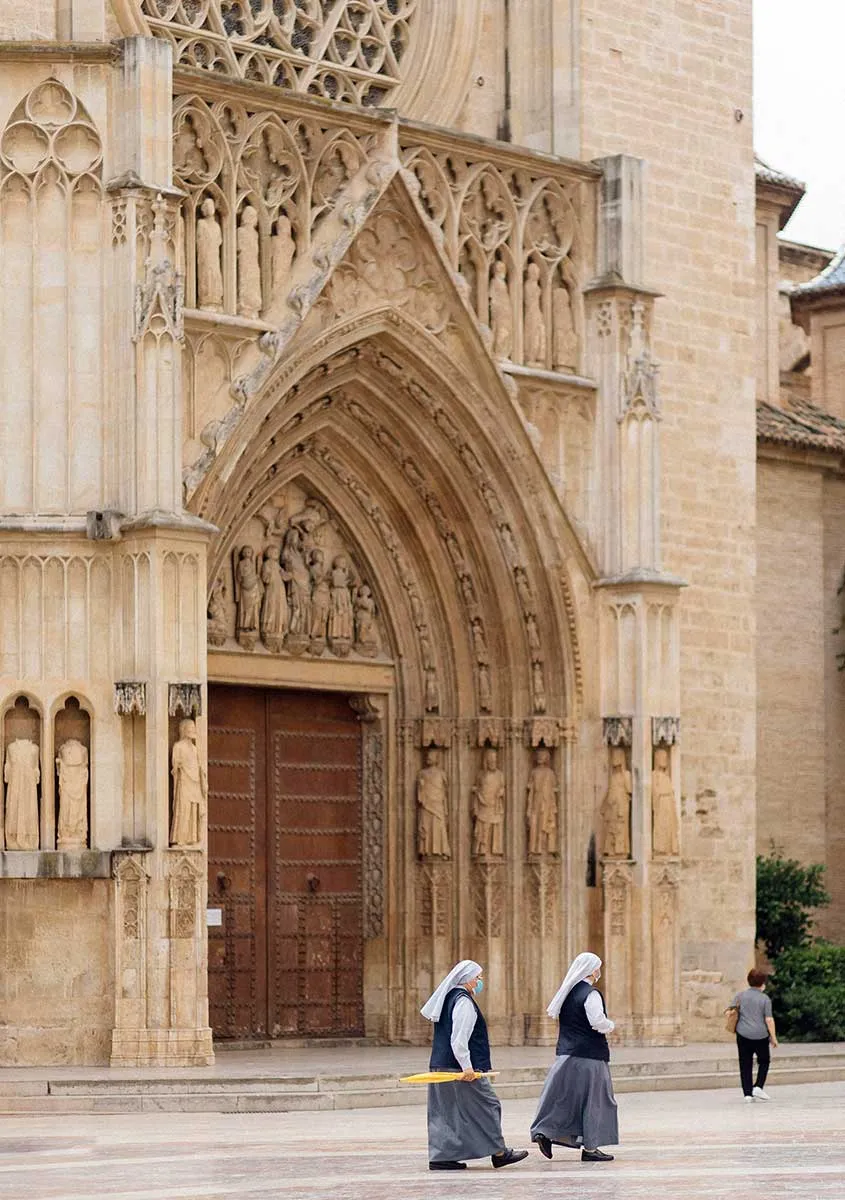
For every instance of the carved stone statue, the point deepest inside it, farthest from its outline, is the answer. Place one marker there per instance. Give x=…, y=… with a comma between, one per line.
x=190, y=788
x=209, y=273
x=248, y=591
x=249, y=266
x=488, y=807
x=72, y=767
x=538, y=686
x=485, y=688
x=501, y=311
x=321, y=600
x=274, y=604
x=664, y=813
x=218, y=629
x=282, y=251
x=299, y=590
x=565, y=346
x=366, y=630
x=616, y=807
x=534, y=325
x=433, y=808
x=541, y=807
x=22, y=773
x=341, y=620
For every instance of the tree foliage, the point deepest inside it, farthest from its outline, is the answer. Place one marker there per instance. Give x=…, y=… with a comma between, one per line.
x=787, y=894
x=808, y=993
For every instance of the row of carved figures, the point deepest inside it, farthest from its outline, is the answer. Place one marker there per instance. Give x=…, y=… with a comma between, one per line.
x=488, y=804
x=534, y=324
x=251, y=286
x=22, y=777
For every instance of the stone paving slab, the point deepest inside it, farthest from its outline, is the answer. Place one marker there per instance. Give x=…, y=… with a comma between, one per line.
x=679, y=1146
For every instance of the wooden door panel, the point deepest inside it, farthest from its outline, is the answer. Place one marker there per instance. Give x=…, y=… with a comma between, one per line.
x=237, y=950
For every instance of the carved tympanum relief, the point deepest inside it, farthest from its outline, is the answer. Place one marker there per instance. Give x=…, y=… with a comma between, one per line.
x=488, y=807
x=516, y=240
x=348, y=50
x=542, y=805
x=294, y=588
x=432, y=795
x=616, y=807
x=190, y=788
x=664, y=810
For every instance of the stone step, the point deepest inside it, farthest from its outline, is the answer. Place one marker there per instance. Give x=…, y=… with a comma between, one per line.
x=309, y=1093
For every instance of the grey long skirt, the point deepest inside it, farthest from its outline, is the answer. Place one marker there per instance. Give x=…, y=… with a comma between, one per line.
x=577, y=1107
x=464, y=1121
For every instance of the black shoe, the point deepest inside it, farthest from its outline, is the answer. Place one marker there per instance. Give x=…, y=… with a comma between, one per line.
x=508, y=1157
x=543, y=1145
x=447, y=1166
x=595, y=1156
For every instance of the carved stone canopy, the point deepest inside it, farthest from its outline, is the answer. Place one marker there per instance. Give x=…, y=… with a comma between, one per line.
x=436, y=731
x=665, y=731
x=618, y=731
x=543, y=731
x=184, y=700
x=130, y=698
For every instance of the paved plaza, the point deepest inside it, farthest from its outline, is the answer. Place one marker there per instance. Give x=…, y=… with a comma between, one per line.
x=677, y=1145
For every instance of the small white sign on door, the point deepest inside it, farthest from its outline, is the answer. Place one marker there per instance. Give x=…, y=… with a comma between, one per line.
x=213, y=916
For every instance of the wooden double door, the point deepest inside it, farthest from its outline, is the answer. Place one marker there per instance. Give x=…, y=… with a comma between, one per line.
x=284, y=854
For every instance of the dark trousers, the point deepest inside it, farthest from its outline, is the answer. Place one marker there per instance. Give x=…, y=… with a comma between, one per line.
x=747, y=1048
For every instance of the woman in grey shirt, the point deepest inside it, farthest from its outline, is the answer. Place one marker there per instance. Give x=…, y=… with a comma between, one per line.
x=755, y=1032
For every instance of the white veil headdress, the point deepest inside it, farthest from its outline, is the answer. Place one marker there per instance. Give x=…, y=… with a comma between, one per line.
x=581, y=967
x=464, y=971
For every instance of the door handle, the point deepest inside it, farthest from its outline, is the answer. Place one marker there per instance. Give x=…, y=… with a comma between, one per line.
x=313, y=882
x=223, y=882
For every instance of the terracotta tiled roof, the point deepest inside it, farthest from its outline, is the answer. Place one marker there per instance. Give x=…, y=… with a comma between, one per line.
x=802, y=426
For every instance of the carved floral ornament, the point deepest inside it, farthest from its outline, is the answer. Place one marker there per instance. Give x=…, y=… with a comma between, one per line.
x=50, y=138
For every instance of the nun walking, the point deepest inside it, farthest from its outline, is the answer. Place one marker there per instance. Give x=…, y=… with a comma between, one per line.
x=577, y=1108
x=464, y=1116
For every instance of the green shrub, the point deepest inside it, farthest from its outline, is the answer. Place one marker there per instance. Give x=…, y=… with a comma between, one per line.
x=808, y=993
x=787, y=893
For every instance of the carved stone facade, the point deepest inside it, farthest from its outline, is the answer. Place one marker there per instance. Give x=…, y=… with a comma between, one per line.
x=356, y=397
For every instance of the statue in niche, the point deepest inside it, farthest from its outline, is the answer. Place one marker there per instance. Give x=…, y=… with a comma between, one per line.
x=209, y=272
x=664, y=813
x=274, y=603
x=488, y=807
x=541, y=807
x=341, y=617
x=533, y=633
x=485, y=688
x=249, y=266
x=432, y=691
x=616, y=807
x=190, y=788
x=321, y=600
x=298, y=579
x=217, y=623
x=22, y=773
x=534, y=325
x=501, y=311
x=282, y=251
x=366, y=630
x=523, y=590
x=565, y=343
x=433, y=808
x=72, y=768
x=248, y=591
x=538, y=686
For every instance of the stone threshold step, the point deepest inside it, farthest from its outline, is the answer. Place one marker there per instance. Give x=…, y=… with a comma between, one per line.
x=280, y=1101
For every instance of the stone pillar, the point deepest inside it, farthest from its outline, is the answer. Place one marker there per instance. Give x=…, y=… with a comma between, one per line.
x=638, y=621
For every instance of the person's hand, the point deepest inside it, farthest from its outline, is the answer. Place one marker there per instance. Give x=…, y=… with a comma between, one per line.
x=773, y=1042
x=470, y=1076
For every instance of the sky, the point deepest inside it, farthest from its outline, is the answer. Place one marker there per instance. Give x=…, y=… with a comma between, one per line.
x=799, y=108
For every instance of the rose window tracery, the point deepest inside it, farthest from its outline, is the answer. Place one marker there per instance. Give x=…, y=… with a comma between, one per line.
x=349, y=50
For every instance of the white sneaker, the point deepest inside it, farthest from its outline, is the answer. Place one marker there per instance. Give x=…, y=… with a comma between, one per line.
x=748, y=1099
x=759, y=1094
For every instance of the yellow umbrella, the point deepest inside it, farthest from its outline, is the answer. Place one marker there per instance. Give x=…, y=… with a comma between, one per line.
x=442, y=1076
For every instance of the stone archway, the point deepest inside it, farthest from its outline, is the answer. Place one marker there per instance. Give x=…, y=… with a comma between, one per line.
x=444, y=516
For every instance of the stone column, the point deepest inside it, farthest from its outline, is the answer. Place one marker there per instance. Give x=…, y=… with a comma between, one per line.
x=638, y=610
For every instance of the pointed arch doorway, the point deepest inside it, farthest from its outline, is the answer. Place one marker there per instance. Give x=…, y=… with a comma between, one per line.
x=285, y=864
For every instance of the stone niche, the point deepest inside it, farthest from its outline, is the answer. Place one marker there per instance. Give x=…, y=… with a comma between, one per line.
x=292, y=586
x=72, y=741
x=22, y=788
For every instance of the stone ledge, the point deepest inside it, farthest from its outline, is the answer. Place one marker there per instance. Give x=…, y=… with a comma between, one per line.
x=55, y=864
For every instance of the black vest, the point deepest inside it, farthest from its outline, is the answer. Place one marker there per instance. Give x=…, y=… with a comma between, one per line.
x=577, y=1036
x=442, y=1057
